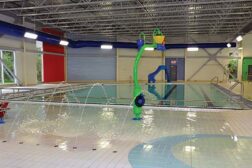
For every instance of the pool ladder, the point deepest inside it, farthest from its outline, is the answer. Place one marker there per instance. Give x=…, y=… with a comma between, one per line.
x=237, y=82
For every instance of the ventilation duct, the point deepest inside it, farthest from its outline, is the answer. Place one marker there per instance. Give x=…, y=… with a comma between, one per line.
x=19, y=31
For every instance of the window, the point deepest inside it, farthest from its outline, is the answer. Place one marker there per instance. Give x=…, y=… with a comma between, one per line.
x=7, y=69
x=39, y=46
x=39, y=68
x=233, y=68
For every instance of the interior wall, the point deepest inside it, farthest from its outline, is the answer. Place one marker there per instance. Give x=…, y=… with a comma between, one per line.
x=148, y=63
x=247, y=45
x=91, y=64
x=25, y=53
x=25, y=60
x=194, y=60
x=119, y=66
x=152, y=59
x=246, y=52
x=53, y=63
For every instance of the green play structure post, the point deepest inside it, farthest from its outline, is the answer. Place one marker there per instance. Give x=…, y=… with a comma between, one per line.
x=137, y=88
x=158, y=43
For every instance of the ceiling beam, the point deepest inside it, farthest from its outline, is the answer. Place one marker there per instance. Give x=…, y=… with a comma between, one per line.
x=64, y=5
x=59, y=17
x=124, y=7
x=3, y=1
x=184, y=17
x=73, y=27
x=165, y=31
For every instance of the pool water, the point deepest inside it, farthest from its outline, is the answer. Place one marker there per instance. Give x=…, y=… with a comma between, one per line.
x=76, y=136
x=162, y=95
x=192, y=151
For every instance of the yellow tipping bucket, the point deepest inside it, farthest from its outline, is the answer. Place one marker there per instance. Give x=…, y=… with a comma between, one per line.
x=159, y=39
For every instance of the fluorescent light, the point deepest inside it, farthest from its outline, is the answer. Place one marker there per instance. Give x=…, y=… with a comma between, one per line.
x=64, y=42
x=106, y=46
x=228, y=45
x=239, y=38
x=240, y=48
x=189, y=148
x=194, y=8
x=149, y=49
x=147, y=147
x=235, y=138
x=192, y=49
x=30, y=35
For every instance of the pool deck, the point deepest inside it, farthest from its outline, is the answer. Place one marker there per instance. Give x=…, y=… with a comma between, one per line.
x=107, y=136
x=39, y=134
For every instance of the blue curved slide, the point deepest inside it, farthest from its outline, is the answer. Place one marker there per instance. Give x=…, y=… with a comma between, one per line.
x=151, y=76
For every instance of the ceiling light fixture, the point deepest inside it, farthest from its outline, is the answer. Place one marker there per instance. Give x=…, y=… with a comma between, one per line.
x=30, y=35
x=64, y=42
x=106, y=46
x=149, y=49
x=192, y=49
x=239, y=38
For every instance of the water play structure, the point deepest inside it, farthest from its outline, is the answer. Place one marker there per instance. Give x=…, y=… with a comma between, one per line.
x=3, y=109
x=158, y=44
x=151, y=76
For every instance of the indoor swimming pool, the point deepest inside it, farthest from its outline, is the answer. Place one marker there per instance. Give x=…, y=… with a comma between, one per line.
x=126, y=84
x=40, y=135
x=158, y=94
x=92, y=126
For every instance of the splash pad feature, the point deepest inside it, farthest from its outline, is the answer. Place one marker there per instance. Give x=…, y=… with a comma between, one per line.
x=158, y=44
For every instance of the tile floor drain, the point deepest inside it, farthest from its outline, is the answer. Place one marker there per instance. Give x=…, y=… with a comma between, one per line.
x=114, y=151
x=37, y=144
x=21, y=143
x=94, y=149
x=74, y=147
x=4, y=141
x=56, y=146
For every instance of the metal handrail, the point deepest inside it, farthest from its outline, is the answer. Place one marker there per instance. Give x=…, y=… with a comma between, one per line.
x=217, y=79
x=236, y=84
x=17, y=93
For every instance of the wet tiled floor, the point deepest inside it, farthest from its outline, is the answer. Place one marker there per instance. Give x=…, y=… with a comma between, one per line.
x=75, y=136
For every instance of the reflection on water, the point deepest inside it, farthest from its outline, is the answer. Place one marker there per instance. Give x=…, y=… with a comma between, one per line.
x=199, y=151
x=179, y=95
x=217, y=151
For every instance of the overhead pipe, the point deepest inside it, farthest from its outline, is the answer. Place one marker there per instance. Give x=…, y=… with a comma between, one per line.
x=19, y=31
x=80, y=44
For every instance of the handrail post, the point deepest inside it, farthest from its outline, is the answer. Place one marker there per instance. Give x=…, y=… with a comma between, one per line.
x=217, y=79
x=242, y=88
